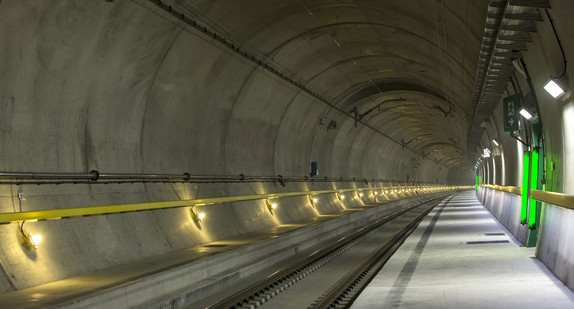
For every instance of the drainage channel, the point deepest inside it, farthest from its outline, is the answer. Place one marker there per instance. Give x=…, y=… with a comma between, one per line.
x=332, y=276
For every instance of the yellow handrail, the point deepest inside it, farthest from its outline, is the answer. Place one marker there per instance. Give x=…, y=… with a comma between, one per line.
x=513, y=190
x=554, y=198
x=558, y=199
x=54, y=214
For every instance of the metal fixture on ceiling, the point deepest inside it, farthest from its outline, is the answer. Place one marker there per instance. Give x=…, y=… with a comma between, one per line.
x=507, y=30
x=358, y=116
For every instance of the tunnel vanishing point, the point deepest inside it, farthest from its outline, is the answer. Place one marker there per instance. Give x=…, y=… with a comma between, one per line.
x=134, y=131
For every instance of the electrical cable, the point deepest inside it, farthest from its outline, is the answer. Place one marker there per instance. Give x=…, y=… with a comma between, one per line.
x=559, y=44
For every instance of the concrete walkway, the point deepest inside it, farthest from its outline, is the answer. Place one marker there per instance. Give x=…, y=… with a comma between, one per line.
x=461, y=257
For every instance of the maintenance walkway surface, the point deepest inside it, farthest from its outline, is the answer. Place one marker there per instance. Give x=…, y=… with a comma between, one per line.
x=461, y=257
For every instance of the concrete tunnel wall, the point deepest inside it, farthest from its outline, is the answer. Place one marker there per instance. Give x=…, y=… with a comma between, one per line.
x=116, y=88
x=543, y=61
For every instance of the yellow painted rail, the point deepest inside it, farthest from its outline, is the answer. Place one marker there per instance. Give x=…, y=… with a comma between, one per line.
x=558, y=199
x=513, y=190
x=55, y=214
x=554, y=198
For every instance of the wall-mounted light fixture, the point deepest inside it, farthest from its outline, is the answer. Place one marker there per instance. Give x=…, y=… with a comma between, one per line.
x=271, y=205
x=495, y=142
x=525, y=114
x=341, y=197
x=313, y=200
x=553, y=89
x=361, y=194
x=29, y=240
x=197, y=216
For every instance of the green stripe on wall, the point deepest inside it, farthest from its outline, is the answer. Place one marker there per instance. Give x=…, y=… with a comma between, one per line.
x=525, y=172
x=533, y=186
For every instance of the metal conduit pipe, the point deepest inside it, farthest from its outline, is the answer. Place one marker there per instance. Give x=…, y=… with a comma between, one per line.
x=94, y=177
x=34, y=175
x=184, y=176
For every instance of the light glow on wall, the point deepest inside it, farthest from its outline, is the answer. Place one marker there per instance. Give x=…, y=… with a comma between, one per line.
x=519, y=157
x=502, y=169
x=494, y=171
x=567, y=165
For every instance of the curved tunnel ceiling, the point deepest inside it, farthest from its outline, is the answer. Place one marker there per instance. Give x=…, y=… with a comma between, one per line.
x=362, y=53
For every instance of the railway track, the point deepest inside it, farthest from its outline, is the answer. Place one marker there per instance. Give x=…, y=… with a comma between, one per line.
x=333, y=276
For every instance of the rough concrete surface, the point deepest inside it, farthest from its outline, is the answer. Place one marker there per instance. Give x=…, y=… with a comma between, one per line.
x=451, y=261
x=125, y=87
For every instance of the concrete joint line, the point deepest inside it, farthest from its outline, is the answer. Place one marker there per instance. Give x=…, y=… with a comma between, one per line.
x=409, y=267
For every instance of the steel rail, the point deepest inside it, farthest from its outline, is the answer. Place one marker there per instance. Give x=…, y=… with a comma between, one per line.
x=55, y=214
x=285, y=275
x=553, y=198
x=336, y=295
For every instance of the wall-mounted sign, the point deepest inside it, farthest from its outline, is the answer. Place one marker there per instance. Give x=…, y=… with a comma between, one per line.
x=511, y=107
x=314, y=169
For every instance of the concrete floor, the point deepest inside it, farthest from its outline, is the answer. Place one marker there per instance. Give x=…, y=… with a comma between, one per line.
x=461, y=257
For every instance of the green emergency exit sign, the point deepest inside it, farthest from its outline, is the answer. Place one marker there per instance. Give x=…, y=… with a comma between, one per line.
x=511, y=107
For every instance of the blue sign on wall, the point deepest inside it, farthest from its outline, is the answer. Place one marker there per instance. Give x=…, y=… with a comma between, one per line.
x=314, y=169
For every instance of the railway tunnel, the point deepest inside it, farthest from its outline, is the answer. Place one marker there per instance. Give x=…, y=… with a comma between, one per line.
x=157, y=154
